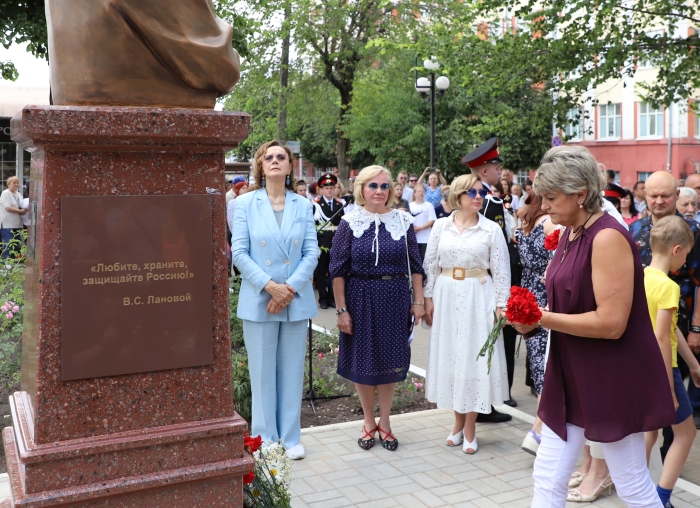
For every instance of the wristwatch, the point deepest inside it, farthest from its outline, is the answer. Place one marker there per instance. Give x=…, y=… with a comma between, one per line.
x=340, y=311
x=695, y=329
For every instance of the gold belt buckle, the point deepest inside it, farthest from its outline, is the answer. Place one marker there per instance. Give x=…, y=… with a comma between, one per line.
x=458, y=273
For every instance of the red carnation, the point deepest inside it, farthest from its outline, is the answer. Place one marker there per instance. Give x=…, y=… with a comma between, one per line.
x=252, y=444
x=522, y=307
x=248, y=478
x=551, y=241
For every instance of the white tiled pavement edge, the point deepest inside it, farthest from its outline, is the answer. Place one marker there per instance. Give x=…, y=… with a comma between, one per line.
x=4, y=486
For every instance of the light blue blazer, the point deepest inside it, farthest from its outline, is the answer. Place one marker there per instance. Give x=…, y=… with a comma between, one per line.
x=263, y=251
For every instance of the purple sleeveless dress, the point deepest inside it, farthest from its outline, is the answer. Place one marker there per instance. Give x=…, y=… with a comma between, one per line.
x=610, y=388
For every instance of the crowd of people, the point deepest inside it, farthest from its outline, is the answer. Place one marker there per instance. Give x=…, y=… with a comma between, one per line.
x=617, y=296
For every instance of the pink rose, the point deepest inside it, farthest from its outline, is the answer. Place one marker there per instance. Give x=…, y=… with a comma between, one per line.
x=9, y=315
x=15, y=309
x=320, y=355
x=4, y=308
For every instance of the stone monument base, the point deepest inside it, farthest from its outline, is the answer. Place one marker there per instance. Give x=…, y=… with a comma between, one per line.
x=177, y=466
x=152, y=436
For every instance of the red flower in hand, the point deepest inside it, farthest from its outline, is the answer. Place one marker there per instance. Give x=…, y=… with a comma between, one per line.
x=551, y=241
x=522, y=307
x=252, y=444
x=248, y=478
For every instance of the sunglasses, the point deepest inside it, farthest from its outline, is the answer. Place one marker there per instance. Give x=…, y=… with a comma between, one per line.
x=280, y=157
x=375, y=186
x=471, y=193
x=413, y=181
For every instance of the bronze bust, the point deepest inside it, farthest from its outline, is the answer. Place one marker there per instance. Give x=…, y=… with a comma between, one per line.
x=156, y=53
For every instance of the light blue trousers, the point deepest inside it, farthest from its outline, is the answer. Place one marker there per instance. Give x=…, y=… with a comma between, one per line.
x=276, y=351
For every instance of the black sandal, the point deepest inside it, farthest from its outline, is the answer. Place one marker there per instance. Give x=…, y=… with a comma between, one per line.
x=366, y=444
x=389, y=445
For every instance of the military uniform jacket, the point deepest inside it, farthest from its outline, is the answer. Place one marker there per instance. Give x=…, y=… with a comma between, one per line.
x=322, y=214
x=494, y=209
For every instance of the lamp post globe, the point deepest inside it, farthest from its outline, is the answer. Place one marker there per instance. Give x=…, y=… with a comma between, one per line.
x=422, y=85
x=425, y=85
x=442, y=83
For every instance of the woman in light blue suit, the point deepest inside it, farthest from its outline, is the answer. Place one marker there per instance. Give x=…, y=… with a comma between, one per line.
x=274, y=247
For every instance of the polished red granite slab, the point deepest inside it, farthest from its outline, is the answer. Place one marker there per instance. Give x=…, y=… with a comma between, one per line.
x=168, y=437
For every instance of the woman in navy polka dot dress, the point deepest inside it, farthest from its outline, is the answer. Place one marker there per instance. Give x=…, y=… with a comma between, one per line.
x=369, y=267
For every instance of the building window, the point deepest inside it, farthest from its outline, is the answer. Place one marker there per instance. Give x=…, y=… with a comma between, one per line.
x=574, y=125
x=8, y=162
x=642, y=176
x=696, y=123
x=609, y=121
x=651, y=121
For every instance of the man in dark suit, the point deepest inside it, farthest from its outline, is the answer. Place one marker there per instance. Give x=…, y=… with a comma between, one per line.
x=485, y=163
x=326, y=208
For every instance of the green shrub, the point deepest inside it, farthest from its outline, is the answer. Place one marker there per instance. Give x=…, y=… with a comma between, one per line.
x=242, y=394
x=12, y=316
x=236, y=324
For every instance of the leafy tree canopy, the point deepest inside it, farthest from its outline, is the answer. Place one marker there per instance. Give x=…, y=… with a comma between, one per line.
x=586, y=43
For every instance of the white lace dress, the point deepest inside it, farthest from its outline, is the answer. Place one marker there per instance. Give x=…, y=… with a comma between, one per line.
x=464, y=316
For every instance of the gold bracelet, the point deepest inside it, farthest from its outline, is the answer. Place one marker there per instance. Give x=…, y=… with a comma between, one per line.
x=419, y=303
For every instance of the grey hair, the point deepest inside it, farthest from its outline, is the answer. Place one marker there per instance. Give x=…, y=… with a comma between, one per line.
x=687, y=192
x=570, y=169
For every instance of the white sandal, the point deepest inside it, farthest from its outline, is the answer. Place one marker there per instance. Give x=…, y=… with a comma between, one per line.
x=456, y=439
x=473, y=445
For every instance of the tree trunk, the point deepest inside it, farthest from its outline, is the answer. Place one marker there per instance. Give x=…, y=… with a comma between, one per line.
x=342, y=144
x=284, y=80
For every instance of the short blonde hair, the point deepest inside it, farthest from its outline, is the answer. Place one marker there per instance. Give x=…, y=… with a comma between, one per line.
x=421, y=185
x=570, y=169
x=459, y=186
x=669, y=232
x=365, y=176
x=11, y=179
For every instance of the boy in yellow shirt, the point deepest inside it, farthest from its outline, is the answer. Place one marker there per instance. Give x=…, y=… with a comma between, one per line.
x=671, y=240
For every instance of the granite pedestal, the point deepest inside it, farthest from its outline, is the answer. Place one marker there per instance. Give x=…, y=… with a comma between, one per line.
x=144, y=439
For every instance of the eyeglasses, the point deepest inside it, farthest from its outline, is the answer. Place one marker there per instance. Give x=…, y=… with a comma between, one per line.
x=471, y=193
x=280, y=157
x=413, y=180
x=375, y=186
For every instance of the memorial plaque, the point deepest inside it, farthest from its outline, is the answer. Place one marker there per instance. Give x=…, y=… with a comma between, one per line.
x=136, y=284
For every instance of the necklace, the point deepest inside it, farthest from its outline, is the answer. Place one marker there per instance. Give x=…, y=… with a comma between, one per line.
x=577, y=232
x=278, y=203
x=462, y=227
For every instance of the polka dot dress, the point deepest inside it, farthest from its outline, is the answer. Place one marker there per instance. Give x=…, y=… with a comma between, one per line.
x=378, y=351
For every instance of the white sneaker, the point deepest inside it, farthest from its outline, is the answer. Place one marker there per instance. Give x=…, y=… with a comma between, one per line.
x=296, y=452
x=531, y=443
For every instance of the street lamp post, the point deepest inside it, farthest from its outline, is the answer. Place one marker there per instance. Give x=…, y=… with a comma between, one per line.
x=426, y=87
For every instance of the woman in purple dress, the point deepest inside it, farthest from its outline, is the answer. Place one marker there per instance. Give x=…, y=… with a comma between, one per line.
x=605, y=378
x=372, y=250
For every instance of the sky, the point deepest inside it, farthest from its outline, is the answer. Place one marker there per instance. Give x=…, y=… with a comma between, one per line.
x=32, y=71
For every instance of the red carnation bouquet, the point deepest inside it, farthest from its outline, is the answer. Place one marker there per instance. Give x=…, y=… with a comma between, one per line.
x=551, y=241
x=521, y=308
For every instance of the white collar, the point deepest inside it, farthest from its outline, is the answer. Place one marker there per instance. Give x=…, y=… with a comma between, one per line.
x=396, y=223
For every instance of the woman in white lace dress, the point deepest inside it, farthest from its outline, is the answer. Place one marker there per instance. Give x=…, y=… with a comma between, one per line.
x=461, y=298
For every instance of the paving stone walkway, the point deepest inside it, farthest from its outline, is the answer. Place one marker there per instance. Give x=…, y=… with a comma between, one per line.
x=423, y=472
